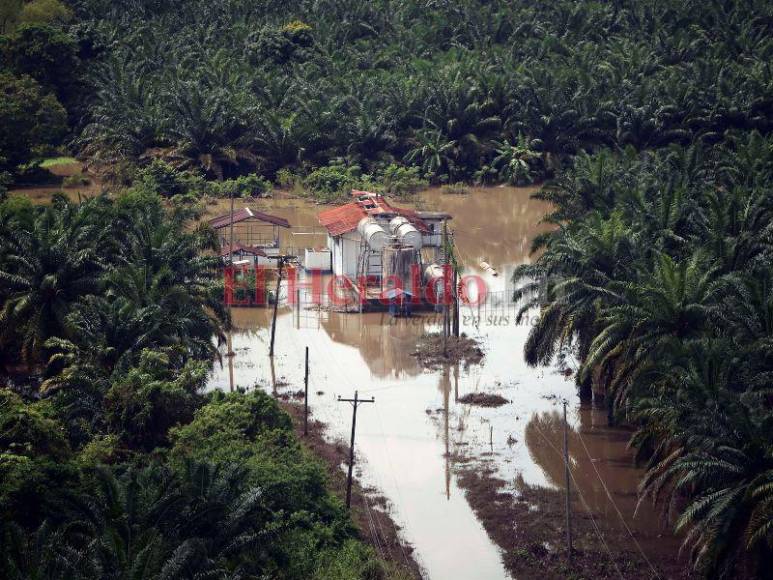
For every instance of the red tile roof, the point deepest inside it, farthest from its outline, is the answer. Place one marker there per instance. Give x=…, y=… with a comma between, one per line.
x=248, y=214
x=343, y=219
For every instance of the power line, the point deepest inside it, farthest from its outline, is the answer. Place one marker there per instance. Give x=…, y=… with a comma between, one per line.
x=356, y=402
x=617, y=509
x=585, y=505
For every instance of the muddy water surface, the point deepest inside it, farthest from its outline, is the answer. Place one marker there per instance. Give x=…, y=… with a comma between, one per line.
x=409, y=438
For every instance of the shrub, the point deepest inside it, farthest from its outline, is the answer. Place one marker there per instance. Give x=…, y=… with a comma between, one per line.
x=29, y=119
x=299, y=33
x=75, y=180
x=290, y=43
x=5, y=180
x=44, y=11
x=150, y=399
x=161, y=178
x=32, y=443
x=46, y=54
x=401, y=181
x=458, y=188
x=336, y=180
x=251, y=185
x=286, y=179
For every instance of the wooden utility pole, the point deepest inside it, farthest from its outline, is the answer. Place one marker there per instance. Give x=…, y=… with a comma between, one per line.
x=567, y=476
x=456, y=303
x=231, y=236
x=356, y=401
x=306, y=395
x=229, y=341
x=282, y=260
x=446, y=326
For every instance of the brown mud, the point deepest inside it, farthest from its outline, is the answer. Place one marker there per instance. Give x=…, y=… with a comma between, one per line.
x=483, y=399
x=529, y=524
x=433, y=351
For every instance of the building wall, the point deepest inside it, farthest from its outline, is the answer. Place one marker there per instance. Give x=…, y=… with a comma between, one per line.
x=346, y=250
x=317, y=259
x=434, y=237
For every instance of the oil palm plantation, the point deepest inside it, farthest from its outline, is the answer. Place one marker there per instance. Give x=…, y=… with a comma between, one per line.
x=674, y=330
x=46, y=269
x=148, y=523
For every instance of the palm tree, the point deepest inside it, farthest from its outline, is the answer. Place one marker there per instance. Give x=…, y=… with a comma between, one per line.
x=44, y=554
x=712, y=445
x=434, y=153
x=569, y=285
x=654, y=317
x=203, y=521
x=45, y=271
x=514, y=160
x=170, y=277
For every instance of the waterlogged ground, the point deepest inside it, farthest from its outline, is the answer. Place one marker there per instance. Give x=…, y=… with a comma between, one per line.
x=417, y=441
x=418, y=444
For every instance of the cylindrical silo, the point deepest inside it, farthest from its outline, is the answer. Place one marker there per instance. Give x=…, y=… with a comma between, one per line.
x=373, y=234
x=406, y=232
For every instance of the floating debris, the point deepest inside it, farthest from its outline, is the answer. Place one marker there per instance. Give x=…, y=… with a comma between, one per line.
x=483, y=400
x=433, y=351
x=486, y=267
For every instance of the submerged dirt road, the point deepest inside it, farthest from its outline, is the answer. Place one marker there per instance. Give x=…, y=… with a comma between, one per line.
x=438, y=460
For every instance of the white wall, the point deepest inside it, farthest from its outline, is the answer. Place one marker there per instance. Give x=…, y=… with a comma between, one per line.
x=346, y=250
x=317, y=259
x=433, y=238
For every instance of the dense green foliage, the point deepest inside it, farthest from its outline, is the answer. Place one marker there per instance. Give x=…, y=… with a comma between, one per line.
x=659, y=279
x=30, y=120
x=472, y=90
x=113, y=462
x=14, y=13
x=651, y=121
x=464, y=90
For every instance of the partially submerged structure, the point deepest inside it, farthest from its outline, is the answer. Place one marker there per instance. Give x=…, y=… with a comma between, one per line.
x=255, y=235
x=370, y=239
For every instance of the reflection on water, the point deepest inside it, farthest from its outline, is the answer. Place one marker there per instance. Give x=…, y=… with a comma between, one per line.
x=602, y=477
x=384, y=343
x=409, y=438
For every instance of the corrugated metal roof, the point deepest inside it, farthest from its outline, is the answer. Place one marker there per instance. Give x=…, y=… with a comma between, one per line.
x=247, y=214
x=342, y=219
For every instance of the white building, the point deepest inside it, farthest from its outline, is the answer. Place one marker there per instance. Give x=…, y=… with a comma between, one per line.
x=370, y=237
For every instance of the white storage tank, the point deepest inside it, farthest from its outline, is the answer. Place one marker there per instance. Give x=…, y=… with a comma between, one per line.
x=406, y=232
x=373, y=234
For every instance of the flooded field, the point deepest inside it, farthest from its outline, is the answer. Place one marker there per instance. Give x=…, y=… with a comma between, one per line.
x=419, y=443
x=418, y=437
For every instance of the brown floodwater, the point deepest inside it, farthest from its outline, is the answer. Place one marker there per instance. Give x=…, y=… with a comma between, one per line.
x=407, y=440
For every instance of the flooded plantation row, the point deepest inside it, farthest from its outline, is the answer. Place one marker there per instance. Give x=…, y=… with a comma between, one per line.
x=436, y=457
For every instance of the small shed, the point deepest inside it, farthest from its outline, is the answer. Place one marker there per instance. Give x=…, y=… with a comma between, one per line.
x=255, y=233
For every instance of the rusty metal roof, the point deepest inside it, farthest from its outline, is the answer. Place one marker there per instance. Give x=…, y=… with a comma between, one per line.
x=342, y=219
x=253, y=250
x=248, y=214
